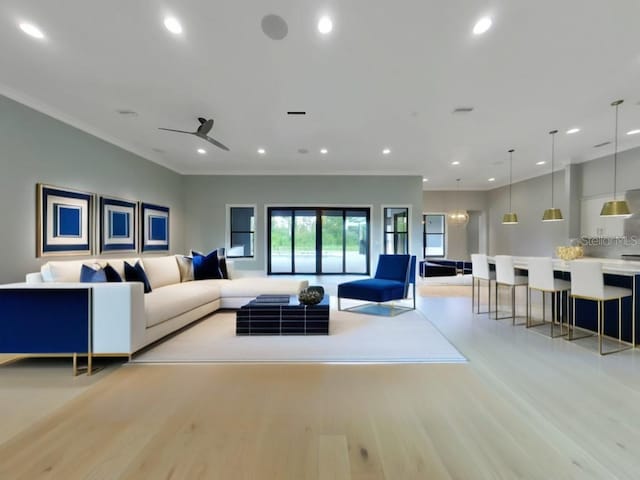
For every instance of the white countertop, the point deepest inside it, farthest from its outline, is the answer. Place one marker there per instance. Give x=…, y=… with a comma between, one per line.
x=609, y=265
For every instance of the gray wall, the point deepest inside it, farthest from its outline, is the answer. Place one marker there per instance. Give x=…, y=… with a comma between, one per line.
x=37, y=148
x=461, y=242
x=208, y=196
x=531, y=236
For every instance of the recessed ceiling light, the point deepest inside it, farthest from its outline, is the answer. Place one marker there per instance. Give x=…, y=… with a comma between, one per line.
x=173, y=25
x=324, y=151
x=455, y=162
x=425, y=179
x=541, y=162
x=262, y=151
x=325, y=25
x=633, y=132
x=31, y=30
x=386, y=151
x=482, y=26
x=202, y=151
x=492, y=179
x=573, y=130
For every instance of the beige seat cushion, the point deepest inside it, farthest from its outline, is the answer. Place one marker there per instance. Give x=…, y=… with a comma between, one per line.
x=252, y=287
x=165, y=303
x=161, y=271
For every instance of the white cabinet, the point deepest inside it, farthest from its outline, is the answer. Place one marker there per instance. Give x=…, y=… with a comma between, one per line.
x=593, y=225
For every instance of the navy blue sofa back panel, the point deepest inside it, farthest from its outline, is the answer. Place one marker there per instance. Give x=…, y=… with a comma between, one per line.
x=45, y=321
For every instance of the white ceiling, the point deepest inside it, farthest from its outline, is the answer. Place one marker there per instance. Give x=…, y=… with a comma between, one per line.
x=389, y=75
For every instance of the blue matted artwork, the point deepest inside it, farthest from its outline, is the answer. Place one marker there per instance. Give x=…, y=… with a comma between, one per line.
x=118, y=221
x=64, y=221
x=154, y=227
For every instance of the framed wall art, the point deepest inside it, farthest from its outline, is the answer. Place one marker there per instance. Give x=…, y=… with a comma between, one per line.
x=117, y=225
x=154, y=227
x=64, y=221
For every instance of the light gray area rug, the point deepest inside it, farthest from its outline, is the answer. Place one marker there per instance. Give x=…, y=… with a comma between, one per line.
x=354, y=338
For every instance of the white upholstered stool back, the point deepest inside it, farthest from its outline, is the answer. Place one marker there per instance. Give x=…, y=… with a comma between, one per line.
x=480, y=266
x=541, y=273
x=587, y=279
x=505, y=272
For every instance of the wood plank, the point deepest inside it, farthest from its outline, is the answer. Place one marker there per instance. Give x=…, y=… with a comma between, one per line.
x=333, y=458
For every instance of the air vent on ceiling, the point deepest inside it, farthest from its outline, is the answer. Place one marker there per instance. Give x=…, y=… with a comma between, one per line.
x=296, y=112
x=601, y=144
x=129, y=113
x=463, y=110
x=303, y=150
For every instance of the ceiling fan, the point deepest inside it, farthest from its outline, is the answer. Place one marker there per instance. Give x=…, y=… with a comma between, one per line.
x=202, y=131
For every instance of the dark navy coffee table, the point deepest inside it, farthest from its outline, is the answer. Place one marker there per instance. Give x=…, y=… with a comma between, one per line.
x=282, y=316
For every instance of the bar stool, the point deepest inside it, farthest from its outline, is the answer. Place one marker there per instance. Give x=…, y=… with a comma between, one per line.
x=506, y=276
x=587, y=283
x=541, y=278
x=480, y=271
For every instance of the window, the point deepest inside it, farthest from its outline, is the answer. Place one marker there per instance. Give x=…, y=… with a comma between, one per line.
x=396, y=230
x=433, y=235
x=242, y=221
x=317, y=240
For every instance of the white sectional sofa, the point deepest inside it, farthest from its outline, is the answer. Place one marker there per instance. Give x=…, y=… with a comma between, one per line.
x=125, y=319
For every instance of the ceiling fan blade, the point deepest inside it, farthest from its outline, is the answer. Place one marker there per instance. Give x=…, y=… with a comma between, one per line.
x=179, y=131
x=216, y=143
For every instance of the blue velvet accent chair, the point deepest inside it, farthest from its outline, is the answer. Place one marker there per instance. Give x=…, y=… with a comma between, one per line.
x=394, y=276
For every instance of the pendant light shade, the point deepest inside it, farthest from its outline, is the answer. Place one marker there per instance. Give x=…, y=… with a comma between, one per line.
x=552, y=214
x=458, y=217
x=510, y=218
x=615, y=208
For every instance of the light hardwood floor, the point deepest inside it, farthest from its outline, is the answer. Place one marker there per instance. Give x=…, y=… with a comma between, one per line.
x=525, y=406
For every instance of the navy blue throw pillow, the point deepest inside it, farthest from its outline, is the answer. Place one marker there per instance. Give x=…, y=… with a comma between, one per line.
x=88, y=275
x=206, y=266
x=137, y=274
x=112, y=275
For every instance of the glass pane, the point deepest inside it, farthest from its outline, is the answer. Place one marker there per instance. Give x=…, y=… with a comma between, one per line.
x=357, y=242
x=400, y=243
x=242, y=219
x=281, y=244
x=395, y=219
x=332, y=241
x=241, y=245
x=434, y=223
x=305, y=241
x=435, y=244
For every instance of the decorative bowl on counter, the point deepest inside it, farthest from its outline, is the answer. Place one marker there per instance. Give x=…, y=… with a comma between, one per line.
x=569, y=253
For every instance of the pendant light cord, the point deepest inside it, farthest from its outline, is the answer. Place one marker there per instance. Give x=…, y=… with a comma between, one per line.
x=553, y=149
x=510, y=176
x=615, y=152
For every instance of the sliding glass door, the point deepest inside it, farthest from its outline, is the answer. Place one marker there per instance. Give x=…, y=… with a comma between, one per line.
x=318, y=240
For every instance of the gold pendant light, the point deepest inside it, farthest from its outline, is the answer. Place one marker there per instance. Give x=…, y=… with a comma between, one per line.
x=615, y=208
x=458, y=217
x=552, y=214
x=510, y=218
